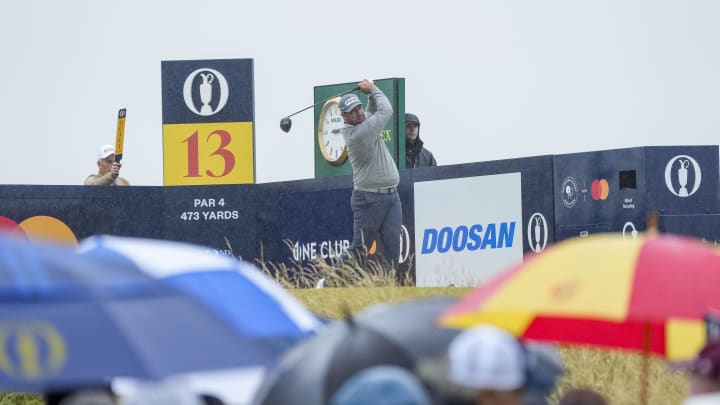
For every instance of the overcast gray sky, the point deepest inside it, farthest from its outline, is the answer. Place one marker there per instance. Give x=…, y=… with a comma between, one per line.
x=489, y=79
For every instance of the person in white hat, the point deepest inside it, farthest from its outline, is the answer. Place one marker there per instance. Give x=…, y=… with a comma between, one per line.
x=491, y=363
x=108, y=169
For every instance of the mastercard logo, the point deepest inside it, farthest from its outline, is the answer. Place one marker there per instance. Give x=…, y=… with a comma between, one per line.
x=39, y=228
x=600, y=189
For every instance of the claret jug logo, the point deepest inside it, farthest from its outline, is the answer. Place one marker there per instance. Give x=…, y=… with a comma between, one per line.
x=537, y=232
x=680, y=172
x=206, y=91
x=31, y=350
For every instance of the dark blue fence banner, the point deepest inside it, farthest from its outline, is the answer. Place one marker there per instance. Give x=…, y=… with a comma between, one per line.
x=71, y=213
x=703, y=226
x=683, y=180
x=613, y=190
x=316, y=224
x=602, y=191
x=299, y=221
x=223, y=217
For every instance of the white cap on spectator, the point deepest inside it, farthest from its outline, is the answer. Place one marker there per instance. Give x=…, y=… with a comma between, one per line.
x=105, y=151
x=486, y=357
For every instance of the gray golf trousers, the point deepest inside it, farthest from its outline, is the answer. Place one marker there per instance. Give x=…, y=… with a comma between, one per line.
x=377, y=217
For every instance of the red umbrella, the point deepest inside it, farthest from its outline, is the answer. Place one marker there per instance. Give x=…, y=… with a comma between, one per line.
x=648, y=294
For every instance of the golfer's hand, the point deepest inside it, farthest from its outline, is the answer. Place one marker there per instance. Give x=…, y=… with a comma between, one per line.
x=366, y=86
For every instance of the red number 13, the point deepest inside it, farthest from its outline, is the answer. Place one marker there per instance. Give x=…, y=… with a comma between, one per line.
x=193, y=154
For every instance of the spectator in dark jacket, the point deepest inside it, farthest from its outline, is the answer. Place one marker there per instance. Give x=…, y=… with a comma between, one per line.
x=415, y=154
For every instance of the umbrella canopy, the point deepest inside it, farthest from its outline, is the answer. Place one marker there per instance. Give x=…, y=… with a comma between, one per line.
x=256, y=306
x=398, y=334
x=71, y=321
x=648, y=294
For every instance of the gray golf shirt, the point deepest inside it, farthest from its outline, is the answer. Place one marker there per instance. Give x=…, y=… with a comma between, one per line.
x=372, y=164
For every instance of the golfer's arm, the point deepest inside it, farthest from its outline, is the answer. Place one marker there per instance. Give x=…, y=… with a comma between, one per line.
x=381, y=110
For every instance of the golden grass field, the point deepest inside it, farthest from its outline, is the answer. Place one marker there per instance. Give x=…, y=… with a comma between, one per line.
x=351, y=289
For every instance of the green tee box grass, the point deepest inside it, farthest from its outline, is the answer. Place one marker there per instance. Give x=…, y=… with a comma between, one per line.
x=332, y=302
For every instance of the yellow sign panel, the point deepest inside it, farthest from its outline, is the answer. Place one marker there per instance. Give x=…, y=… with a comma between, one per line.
x=208, y=153
x=120, y=135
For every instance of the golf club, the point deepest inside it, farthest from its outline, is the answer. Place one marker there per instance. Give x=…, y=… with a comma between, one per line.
x=286, y=123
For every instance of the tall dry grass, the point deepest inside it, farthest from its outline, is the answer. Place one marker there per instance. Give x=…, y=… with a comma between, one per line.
x=353, y=271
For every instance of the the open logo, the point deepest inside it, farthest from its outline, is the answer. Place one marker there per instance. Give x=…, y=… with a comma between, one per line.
x=31, y=350
x=209, y=87
x=681, y=171
x=537, y=232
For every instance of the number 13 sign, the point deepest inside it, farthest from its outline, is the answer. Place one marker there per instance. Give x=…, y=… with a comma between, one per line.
x=208, y=115
x=208, y=153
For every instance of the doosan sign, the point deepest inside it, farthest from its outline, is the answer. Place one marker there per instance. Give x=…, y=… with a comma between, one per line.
x=470, y=237
x=474, y=237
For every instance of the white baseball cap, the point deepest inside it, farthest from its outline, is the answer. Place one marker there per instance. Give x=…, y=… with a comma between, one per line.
x=486, y=357
x=105, y=151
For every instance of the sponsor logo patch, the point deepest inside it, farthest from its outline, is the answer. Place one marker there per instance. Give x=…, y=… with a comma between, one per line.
x=569, y=192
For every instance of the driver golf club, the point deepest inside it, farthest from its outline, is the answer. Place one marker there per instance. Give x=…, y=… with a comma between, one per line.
x=286, y=123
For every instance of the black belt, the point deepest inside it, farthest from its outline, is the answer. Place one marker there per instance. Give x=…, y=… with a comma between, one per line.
x=384, y=190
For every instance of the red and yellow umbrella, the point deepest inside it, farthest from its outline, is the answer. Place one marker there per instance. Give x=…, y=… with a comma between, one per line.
x=648, y=294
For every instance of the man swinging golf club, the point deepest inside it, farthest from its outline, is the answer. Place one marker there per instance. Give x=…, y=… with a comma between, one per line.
x=375, y=202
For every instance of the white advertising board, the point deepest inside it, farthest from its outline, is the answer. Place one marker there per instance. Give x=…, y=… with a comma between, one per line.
x=467, y=229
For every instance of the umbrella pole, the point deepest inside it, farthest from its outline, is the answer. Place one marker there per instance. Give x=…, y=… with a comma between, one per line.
x=645, y=366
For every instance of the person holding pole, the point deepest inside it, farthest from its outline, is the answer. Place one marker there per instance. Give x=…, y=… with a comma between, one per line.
x=108, y=169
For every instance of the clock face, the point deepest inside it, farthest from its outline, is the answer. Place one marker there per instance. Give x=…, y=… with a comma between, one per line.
x=330, y=138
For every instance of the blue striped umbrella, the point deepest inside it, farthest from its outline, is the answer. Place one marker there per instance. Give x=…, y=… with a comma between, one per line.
x=252, y=303
x=71, y=320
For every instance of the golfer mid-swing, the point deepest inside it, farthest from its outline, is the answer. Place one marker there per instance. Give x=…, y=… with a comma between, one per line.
x=375, y=202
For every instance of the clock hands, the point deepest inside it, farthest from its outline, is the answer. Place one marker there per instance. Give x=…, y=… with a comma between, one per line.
x=334, y=131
